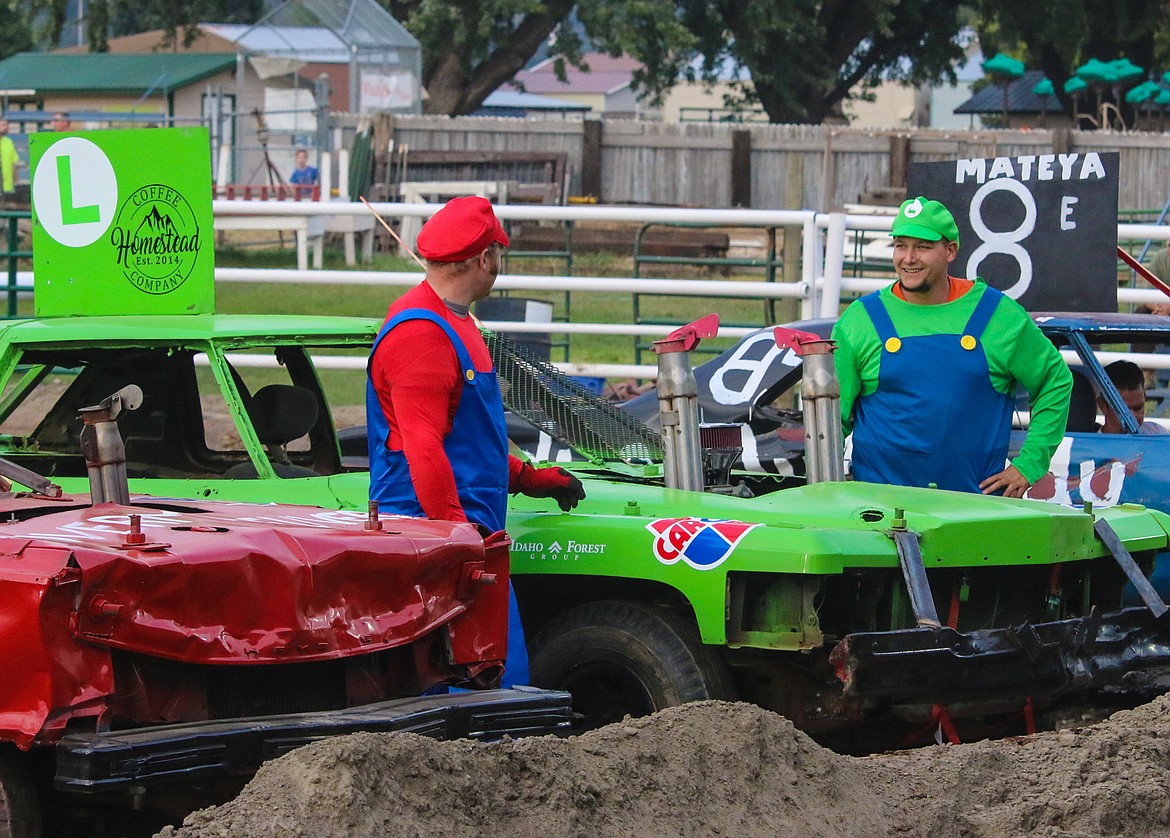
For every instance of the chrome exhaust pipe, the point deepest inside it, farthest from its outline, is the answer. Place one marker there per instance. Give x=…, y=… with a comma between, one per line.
x=102, y=446
x=678, y=404
x=820, y=394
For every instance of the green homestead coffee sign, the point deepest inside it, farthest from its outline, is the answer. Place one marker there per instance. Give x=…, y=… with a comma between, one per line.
x=122, y=222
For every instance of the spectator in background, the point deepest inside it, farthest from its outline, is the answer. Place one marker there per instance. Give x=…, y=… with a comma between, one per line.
x=1160, y=264
x=1160, y=267
x=1127, y=377
x=60, y=122
x=8, y=160
x=304, y=176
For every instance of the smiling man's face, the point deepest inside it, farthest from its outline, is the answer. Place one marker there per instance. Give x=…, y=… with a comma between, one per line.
x=922, y=267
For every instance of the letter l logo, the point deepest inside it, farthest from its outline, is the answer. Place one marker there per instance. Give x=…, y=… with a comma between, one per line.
x=69, y=213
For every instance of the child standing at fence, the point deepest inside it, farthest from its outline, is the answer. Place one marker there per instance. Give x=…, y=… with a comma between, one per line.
x=305, y=177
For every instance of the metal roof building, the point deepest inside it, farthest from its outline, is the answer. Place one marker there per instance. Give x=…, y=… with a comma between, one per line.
x=105, y=72
x=1021, y=105
x=380, y=62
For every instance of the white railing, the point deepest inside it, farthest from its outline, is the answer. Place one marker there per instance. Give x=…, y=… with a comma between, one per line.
x=825, y=239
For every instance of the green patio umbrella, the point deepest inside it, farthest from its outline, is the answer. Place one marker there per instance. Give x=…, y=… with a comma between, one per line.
x=1108, y=75
x=1044, y=90
x=1125, y=73
x=1093, y=71
x=1144, y=92
x=1074, y=87
x=1143, y=95
x=1162, y=100
x=1125, y=70
x=1004, y=69
x=1004, y=65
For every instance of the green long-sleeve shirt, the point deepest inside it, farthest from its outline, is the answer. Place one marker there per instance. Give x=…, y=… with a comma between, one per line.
x=1016, y=350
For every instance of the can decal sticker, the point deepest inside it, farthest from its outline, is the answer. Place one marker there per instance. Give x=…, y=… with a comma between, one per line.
x=703, y=543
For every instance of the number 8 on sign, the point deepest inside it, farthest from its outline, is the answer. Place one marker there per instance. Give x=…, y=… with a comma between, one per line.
x=1007, y=242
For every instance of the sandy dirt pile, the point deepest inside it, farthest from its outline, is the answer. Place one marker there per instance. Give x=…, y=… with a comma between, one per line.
x=710, y=769
x=1112, y=778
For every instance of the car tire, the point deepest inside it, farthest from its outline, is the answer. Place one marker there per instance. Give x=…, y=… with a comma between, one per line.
x=621, y=658
x=20, y=814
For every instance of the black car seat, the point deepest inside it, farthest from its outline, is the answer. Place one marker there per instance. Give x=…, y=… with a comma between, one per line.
x=280, y=413
x=1082, y=405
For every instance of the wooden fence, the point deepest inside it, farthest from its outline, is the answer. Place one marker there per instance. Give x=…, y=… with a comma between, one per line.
x=765, y=166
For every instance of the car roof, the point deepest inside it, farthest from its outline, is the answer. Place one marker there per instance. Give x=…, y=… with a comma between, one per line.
x=1103, y=327
x=1098, y=321
x=173, y=329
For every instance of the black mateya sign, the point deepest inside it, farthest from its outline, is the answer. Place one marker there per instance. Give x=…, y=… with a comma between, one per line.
x=1041, y=228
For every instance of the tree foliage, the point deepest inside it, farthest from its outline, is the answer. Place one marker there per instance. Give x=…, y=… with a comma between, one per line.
x=16, y=34
x=112, y=18
x=804, y=58
x=807, y=57
x=1058, y=36
x=471, y=47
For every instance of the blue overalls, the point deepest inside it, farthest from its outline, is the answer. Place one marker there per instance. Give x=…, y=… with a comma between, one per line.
x=476, y=447
x=934, y=417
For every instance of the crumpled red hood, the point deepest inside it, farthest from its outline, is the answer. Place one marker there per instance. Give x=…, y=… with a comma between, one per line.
x=228, y=584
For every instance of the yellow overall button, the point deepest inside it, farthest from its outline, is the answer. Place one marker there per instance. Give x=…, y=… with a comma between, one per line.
x=893, y=344
x=967, y=342
x=470, y=375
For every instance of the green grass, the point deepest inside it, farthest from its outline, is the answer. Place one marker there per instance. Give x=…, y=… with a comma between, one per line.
x=582, y=307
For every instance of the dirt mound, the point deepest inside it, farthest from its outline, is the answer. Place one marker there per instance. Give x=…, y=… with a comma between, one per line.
x=1112, y=778
x=711, y=769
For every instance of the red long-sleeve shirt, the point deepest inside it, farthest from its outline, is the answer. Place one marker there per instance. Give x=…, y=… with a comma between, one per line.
x=417, y=377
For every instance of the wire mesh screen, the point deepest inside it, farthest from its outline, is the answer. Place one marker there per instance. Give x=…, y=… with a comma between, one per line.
x=567, y=411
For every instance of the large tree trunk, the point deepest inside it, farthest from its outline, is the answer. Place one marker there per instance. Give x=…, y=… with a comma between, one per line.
x=455, y=90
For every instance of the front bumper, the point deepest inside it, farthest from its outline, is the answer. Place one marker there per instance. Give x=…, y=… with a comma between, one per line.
x=94, y=762
x=1043, y=661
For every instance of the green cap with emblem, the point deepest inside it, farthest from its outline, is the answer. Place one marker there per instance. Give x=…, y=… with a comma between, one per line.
x=923, y=219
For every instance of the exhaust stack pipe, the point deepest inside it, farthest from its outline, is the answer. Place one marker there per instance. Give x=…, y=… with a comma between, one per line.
x=678, y=403
x=821, y=394
x=102, y=447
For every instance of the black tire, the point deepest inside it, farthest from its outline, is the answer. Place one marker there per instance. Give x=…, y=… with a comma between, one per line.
x=20, y=814
x=626, y=658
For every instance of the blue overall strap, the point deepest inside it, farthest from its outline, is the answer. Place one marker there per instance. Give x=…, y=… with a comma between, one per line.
x=876, y=310
x=981, y=316
x=426, y=314
x=485, y=503
x=390, y=482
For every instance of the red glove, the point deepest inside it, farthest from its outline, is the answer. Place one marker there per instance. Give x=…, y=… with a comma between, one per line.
x=550, y=482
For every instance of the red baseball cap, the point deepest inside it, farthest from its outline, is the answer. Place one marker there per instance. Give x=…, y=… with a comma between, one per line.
x=463, y=228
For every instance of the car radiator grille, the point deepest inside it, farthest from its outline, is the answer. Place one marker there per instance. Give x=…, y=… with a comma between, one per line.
x=235, y=691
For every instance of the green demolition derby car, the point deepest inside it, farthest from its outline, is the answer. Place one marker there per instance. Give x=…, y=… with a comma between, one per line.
x=834, y=603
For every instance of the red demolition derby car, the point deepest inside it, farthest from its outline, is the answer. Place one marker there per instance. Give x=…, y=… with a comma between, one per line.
x=154, y=652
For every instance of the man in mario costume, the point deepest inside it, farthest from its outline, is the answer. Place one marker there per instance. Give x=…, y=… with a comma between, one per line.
x=929, y=368
x=437, y=442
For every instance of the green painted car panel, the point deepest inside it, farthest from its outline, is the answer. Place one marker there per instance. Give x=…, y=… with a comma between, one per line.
x=789, y=570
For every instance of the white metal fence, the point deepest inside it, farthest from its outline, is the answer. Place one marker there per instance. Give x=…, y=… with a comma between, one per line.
x=825, y=239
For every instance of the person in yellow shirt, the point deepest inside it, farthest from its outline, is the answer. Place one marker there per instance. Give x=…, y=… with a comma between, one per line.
x=8, y=161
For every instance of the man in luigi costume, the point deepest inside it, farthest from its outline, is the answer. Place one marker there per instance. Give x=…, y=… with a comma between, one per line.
x=929, y=368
